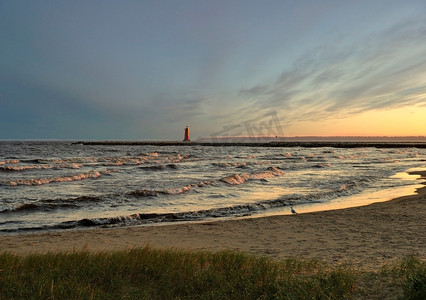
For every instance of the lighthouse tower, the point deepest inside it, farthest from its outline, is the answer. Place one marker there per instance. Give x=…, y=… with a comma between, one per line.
x=186, y=137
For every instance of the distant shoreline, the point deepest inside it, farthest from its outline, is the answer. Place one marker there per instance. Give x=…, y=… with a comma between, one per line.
x=292, y=143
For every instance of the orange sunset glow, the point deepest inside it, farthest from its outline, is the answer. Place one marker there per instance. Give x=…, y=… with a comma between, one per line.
x=394, y=122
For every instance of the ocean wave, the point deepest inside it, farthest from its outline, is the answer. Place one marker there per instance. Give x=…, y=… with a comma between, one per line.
x=143, y=218
x=36, y=207
x=145, y=193
x=51, y=204
x=10, y=222
x=71, y=166
x=155, y=193
x=237, y=179
x=12, y=161
x=18, y=168
x=121, y=161
x=154, y=168
x=329, y=151
x=148, y=158
x=344, y=188
x=23, y=168
x=40, y=181
x=160, y=167
x=205, y=183
x=221, y=212
x=230, y=164
x=322, y=165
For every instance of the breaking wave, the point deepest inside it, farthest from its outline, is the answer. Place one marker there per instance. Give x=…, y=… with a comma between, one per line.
x=154, y=193
x=234, y=179
x=17, y=168
x=222, y=212
x=40, y=181
x=237, y=179
x=51, y=204
x=12, y=161
x=180, y=183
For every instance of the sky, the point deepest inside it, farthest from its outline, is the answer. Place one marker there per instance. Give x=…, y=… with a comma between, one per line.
x=143, y=70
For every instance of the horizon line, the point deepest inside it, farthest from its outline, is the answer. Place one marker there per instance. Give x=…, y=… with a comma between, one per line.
x=231, y=137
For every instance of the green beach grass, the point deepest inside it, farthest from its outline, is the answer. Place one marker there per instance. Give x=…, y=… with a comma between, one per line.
x=149, y=273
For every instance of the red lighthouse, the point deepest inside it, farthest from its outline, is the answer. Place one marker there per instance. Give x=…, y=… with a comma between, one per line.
x=186, y=138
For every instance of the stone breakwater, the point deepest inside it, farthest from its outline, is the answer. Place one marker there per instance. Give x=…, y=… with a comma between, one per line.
x=306, y=144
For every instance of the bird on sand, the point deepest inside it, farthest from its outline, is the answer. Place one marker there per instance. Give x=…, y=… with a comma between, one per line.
x=292, y=210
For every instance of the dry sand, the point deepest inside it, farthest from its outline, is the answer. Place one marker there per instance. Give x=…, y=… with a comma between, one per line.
x=366, y=236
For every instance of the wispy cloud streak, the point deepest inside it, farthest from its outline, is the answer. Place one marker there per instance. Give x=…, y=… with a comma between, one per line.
x=382, y=71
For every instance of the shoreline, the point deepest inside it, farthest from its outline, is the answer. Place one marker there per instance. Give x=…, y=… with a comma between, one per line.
x=366, y=235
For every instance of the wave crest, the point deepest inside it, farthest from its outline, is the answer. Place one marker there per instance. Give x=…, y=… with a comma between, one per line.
x=11, y=161
x=237, y=179
x=40, y=181
x=155, y=193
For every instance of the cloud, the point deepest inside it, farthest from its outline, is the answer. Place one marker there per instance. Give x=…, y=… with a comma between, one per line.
x=254, y=91
x=383, y=70
x=153, y=70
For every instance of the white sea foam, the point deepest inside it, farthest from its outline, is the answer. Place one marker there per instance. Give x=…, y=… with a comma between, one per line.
x=13, y=161
x=40, y=181
x=180, y=190
x=237, y=179
x=40, y=167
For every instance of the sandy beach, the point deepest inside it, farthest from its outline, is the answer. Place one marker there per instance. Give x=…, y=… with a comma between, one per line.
x=366, y=236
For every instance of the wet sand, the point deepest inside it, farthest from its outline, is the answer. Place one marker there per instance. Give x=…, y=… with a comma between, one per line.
x=366, y=236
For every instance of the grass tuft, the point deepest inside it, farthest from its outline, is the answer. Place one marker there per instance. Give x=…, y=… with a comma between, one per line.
x=148, y=273
x=411, y=275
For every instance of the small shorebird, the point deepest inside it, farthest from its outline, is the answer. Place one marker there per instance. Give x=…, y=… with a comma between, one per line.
x=292, y=210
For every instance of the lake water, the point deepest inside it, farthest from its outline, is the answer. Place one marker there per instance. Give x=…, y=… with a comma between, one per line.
x=47, y=185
